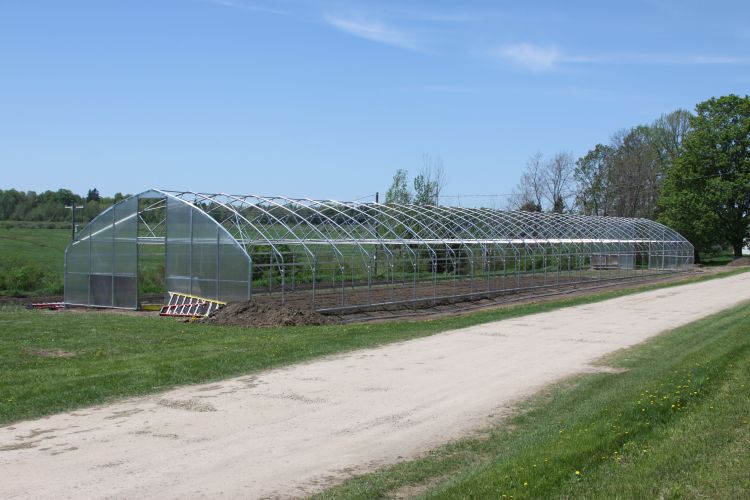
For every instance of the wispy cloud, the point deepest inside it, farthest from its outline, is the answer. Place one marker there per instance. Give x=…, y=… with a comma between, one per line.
x=528, y=56
x=373, y=30
x=540, y=58
x=245, y=5
x=431, y=15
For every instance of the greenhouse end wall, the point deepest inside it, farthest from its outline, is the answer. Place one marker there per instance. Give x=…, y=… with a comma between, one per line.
x=200, y=257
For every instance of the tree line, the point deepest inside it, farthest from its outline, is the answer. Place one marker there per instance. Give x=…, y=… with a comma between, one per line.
x=690, y=171
x=428, y=184
x=622, y=178
x=49, y=206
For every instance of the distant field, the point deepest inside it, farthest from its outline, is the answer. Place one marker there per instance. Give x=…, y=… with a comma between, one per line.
x=32, y=260
x=45, y=246
x=45, y=249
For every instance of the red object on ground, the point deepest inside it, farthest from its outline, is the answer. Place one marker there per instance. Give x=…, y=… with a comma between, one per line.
x=52, y=306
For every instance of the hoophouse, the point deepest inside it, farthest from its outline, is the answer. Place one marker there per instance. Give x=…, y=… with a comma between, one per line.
x=331, y=255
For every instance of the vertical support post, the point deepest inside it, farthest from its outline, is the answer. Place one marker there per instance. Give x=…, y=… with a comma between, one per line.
x=73, y=208
x=114, y=258
x=313, y=284
x=343, y=280
x=294, y=269
x=166, y=245
x=250, y=279
x=369, y=284
x=190, y=253
x=91, y=261
x=218, y=258
x=434, y=277
x=415, y=270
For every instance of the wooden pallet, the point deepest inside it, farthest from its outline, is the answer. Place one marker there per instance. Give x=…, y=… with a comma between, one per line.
x=52, y=306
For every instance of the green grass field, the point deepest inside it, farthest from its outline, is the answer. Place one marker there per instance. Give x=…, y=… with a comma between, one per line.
x=46, y=246
x=35, y=258
x=114, y=355
x=673, y=424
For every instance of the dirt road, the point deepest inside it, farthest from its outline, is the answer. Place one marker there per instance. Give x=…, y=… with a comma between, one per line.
x=292, y=431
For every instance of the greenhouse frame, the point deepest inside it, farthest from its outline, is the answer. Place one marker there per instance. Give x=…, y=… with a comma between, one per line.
x=337, y=256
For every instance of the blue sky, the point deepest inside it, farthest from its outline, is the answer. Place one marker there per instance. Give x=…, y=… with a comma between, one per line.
x=327, y=99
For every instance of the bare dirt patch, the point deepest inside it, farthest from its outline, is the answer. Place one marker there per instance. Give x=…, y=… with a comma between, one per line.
x=188, y=404
x=266, y=310
x=253, y=314
x=49, y=353
x=742, y=261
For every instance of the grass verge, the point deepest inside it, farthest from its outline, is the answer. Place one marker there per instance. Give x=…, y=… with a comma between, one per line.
x=52, y=362
x=673, y=424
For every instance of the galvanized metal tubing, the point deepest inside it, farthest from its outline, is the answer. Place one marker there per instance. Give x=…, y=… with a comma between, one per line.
x=331, y=255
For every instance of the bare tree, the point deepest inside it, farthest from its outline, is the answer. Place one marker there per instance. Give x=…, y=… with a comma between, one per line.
x=592, y=175
x=529, y=193
x=635, y=175
x=558, y=182
x=625, y=178
x=430, y=181
x=669, y=131
x=545, y=185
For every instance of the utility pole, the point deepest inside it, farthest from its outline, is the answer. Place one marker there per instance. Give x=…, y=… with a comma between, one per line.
x=73, y=209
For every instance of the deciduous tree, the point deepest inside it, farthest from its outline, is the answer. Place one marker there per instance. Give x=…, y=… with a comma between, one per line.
x=399, y=190
x=706, y=195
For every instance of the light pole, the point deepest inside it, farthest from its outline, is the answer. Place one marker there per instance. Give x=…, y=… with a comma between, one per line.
x=73, y=207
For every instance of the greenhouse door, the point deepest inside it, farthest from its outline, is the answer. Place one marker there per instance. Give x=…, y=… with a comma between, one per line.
x=151, y=248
